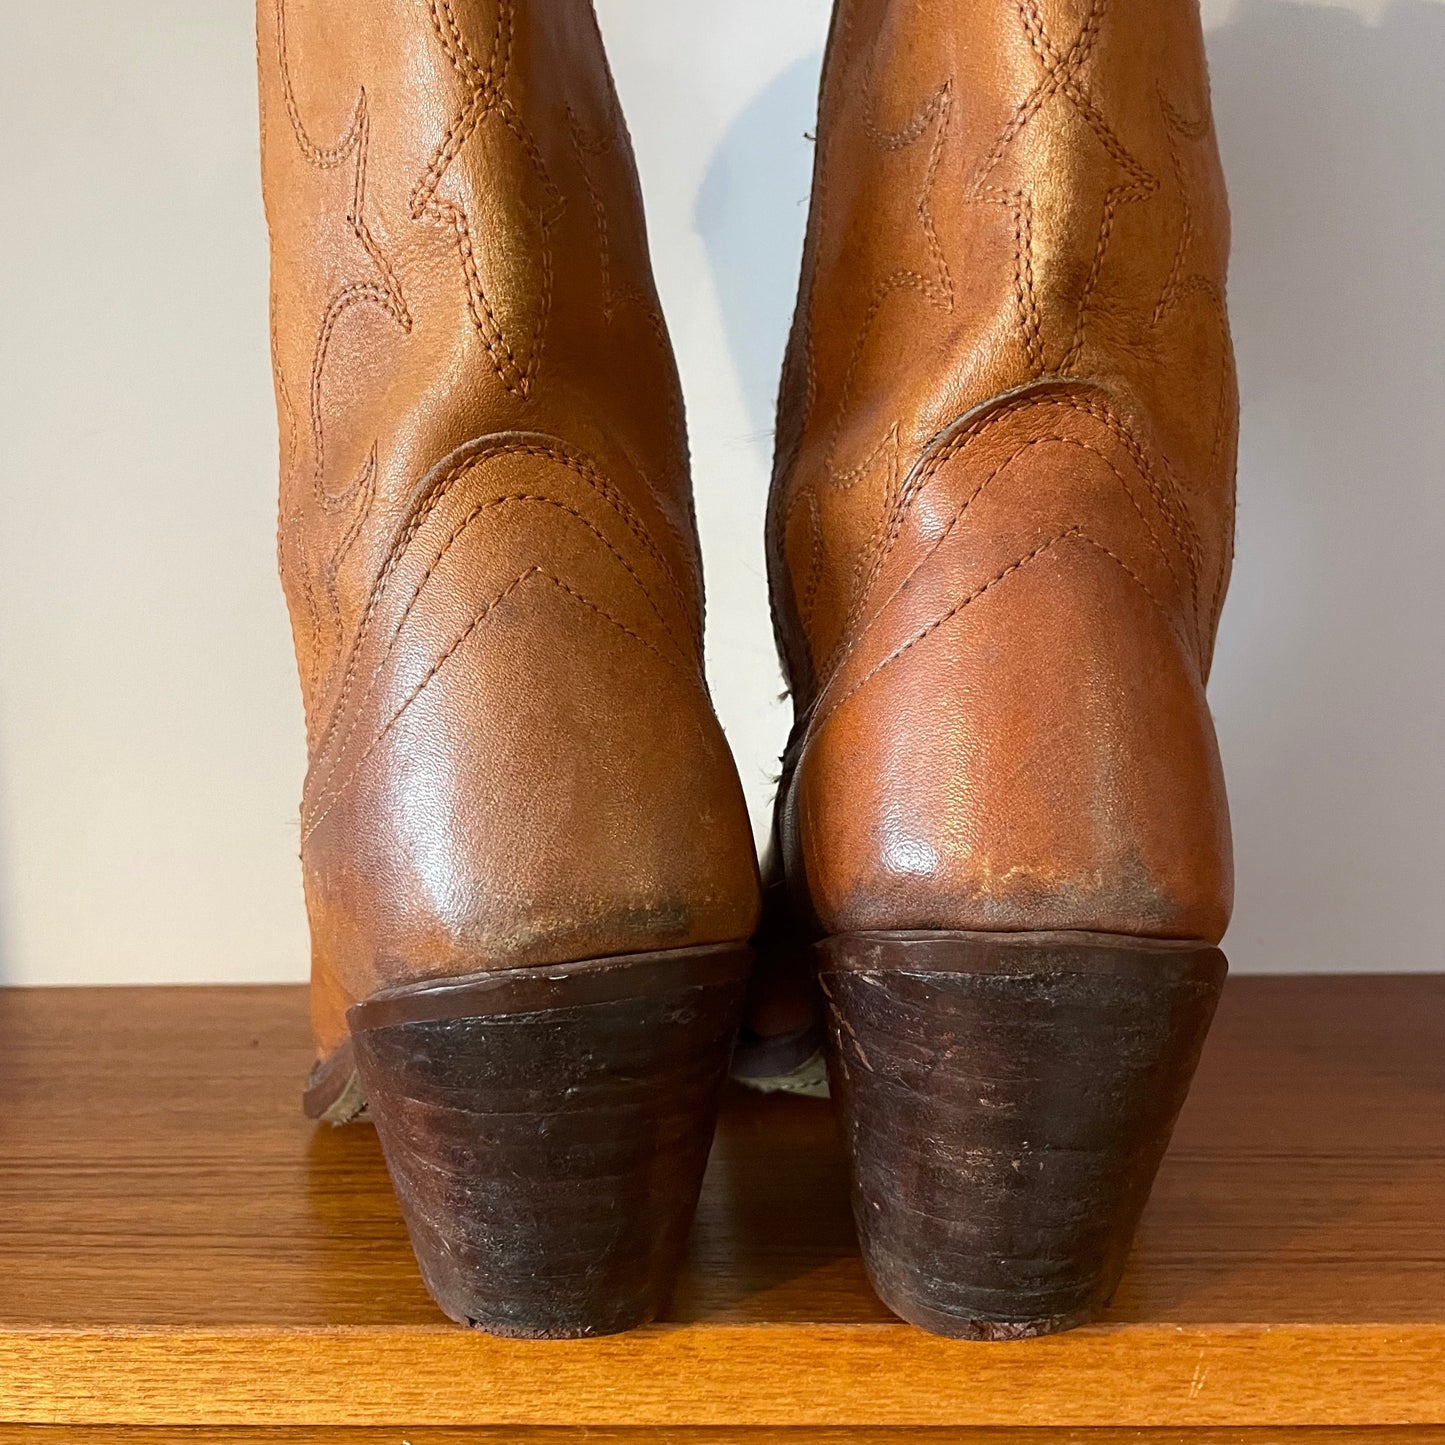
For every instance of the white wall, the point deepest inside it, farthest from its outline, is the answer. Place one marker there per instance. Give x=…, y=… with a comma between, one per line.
x=150, y=735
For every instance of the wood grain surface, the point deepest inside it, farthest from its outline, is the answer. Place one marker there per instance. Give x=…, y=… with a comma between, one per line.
x=178, y=1246
x=738, y=1435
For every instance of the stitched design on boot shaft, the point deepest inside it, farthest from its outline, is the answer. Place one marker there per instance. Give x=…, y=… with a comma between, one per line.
x=385, y=295
x=589, y=150
x=932, y=280
x=486, y=97
x=335, y=739
x=323, y=523
x=829, y=707
x=322, y=806
x=1070, y=74
x=934, y=285
x=1162, y=492
x=1062, y=76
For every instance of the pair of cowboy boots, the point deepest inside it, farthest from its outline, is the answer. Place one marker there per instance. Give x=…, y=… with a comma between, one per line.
x=999, y=537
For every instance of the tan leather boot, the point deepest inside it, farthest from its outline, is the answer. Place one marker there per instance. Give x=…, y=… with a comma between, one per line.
x=1000, y=535
x=527, y=860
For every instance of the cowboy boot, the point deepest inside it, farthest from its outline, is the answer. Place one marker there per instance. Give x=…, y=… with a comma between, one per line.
x=528, y=868
x=1000, y=534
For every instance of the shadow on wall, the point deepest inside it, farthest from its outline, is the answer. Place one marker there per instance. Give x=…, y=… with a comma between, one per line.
x=1329, y=688
x=751, y=212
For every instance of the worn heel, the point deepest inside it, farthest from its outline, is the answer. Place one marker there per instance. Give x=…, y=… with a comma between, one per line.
x=546, y=1130
x=1006, y=1101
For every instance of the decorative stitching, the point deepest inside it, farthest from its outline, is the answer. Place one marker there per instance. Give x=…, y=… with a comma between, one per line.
x=368, y=481
x=356, y=294
x=484, y=85
x=510, y=371
x=324, y=157
x=1164, y=499
x=852, y=631
x=289, y=529
x=1057, y=440
x=283, y=391
x=1195, y=130
x=1165, y=616
x=1030, y=318
x=1062, y=73
x=1113, y=199
x=881, y=543
x=1076, y=532
x=313, y=613
x=690, y=675
x=815, y=562
x=1223, y=411
x=486, y=97
x=585, y=148
x=455, y=43
x=938, y=289
x=335, y=795
x=1177, y=125
x=388, y=296
x=1060, y=77
x=356, y=219
x=842, y=479
x=1175, y=291
x=938, y=622
x=1168, y=499
x=543, y=500
x=422, y=510
x=474, y=110
x=937, y=112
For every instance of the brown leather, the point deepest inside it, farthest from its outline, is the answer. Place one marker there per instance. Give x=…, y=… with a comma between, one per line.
x=1001, y=522
x=486, y=530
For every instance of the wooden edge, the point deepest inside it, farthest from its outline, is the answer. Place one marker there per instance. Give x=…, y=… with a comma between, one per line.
x=706, y=1435
x=824, y=1375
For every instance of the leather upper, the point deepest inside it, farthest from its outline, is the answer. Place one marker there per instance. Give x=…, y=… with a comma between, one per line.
x=1001, y=523
x=486, y=530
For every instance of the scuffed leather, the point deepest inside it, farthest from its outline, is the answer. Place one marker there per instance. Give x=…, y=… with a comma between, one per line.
x=486, y=530
x=1001, y=522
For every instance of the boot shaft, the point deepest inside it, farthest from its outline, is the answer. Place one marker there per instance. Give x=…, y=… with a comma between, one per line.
x=1002, y=511
x=486, y=529
x=1004, y=194
x=458, y=250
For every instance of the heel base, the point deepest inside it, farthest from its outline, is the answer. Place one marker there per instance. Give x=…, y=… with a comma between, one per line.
x=1006, y=1103
x=914, y=1311
x=547, y=1129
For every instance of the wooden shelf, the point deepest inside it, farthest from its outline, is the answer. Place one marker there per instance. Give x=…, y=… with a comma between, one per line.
x=178, y=1247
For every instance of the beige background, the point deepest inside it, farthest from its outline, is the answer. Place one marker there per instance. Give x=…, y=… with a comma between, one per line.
x=150, y=733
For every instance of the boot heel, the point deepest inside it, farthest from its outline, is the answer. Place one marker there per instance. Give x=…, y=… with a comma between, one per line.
x=1006, y=1101
x=546, y=1130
